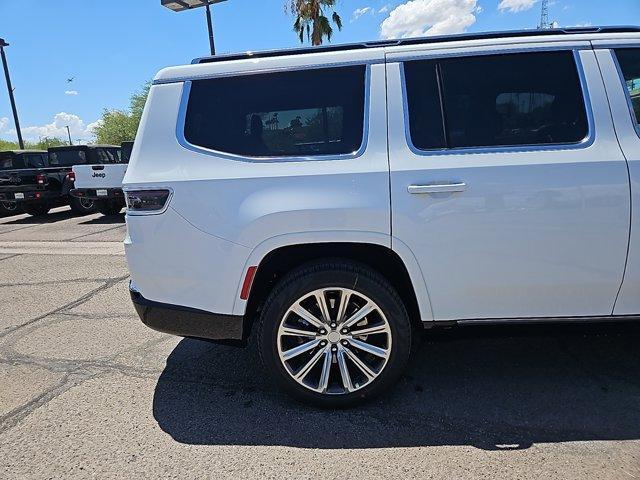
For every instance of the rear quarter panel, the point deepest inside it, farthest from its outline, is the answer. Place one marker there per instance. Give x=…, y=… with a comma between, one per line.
x=240, y=204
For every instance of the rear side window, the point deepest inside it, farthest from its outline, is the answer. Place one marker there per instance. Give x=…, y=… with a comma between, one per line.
x=425, y=111
x=300, y=113
x=35, y=160
x=629, y=60
x=67, y=158
x=107, y=155
x=9, y=161
x=498, y=100
x=125, y=152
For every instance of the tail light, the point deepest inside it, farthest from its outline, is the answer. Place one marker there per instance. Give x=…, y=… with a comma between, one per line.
x=71, y=176
x=40, y=179
x=146, y=201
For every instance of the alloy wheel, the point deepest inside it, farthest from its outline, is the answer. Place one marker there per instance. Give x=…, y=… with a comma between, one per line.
x=334, y=341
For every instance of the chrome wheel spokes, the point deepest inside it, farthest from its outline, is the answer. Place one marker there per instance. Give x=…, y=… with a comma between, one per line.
x=334, y=340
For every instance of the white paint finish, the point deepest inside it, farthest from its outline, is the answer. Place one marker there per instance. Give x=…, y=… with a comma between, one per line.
x=248, y=212
x=629, y=298
x=536, y=233
x=240, y=204
x=110, y=176
x=171, y=261
x=248, y=66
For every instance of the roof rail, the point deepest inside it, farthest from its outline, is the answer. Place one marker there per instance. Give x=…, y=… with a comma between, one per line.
x=418, y=41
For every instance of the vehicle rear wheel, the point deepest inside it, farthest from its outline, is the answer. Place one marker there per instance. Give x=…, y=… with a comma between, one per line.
x=334, y=334
x=36, y=209
x=82, y=206
x=109, y=208
x=9, y=208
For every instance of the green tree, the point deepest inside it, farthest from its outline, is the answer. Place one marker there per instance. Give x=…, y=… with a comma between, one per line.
x=117, y=126
x=46, y=142
x=7, y=145
x=42, y=144
x=312, y=20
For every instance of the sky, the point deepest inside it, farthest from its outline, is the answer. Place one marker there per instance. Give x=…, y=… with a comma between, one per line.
x=110, y=48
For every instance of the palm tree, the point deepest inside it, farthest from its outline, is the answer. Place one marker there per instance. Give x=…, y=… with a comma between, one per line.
x=311, y=19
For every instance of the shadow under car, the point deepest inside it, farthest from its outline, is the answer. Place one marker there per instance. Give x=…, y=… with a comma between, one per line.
x=506, y=387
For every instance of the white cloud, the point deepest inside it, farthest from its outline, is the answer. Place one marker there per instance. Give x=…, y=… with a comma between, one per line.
x=417, y=18
x=57, y=128
x=384, y=9
x=71, y=92
x=92, y=126
x=4, y=121
x=358, y=12
x=516, y=5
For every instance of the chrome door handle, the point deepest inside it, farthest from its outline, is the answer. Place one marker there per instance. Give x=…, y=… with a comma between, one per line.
x=437, y=188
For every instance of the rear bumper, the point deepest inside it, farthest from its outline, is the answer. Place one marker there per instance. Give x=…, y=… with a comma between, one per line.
x=29, y=195
x=188, y=322
x=92, y=193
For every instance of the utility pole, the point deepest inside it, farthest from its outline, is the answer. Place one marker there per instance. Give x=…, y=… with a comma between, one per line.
x=182, y=5
x=10, y=89
x=212, y=46
x=544, y=16
x=69, y=133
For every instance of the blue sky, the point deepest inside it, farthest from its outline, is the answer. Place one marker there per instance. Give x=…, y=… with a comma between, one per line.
x=112, y=47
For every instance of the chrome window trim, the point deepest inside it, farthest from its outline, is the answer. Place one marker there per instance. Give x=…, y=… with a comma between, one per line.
x=635, y=121
x=617, y=43
x=479, y=52
x=182, y=114
x=259, y=71
x=586, y=142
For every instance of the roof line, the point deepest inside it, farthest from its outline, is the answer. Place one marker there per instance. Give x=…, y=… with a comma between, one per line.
x=419, y=41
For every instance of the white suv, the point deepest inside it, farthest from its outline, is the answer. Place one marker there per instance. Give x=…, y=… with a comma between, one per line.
x=333, y=199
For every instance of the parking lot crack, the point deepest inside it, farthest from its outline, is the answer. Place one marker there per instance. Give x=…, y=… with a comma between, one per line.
x=15, y=416
x=11, y=256
x=55, y=282
x=68, y=306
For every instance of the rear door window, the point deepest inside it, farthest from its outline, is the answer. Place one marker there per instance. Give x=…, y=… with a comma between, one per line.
x=67, y=158
x=425, y=111
x=125, y=152
x=35, y=160
x=299, y=113
x=107, y=155
x=9, y=161
x=629, y=60
x=497, y=100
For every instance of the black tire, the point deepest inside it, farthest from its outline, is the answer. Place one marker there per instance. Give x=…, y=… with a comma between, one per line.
x=10, y=208
x=109, y=208
x=36, y=209
x=335, y=274
x=82, y=206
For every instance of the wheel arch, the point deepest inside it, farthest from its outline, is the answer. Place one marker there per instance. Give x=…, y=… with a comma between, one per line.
x=273, y=263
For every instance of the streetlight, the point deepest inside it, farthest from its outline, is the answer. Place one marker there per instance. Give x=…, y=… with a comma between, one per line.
x=182, y=5
x=69, y=133
x=10, y=89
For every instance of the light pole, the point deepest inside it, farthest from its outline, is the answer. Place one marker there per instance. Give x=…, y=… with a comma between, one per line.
x=10, y=89
x=182, y=5
x=69, y=133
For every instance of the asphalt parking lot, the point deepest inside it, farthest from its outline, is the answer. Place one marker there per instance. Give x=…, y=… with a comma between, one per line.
x=87, y=391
